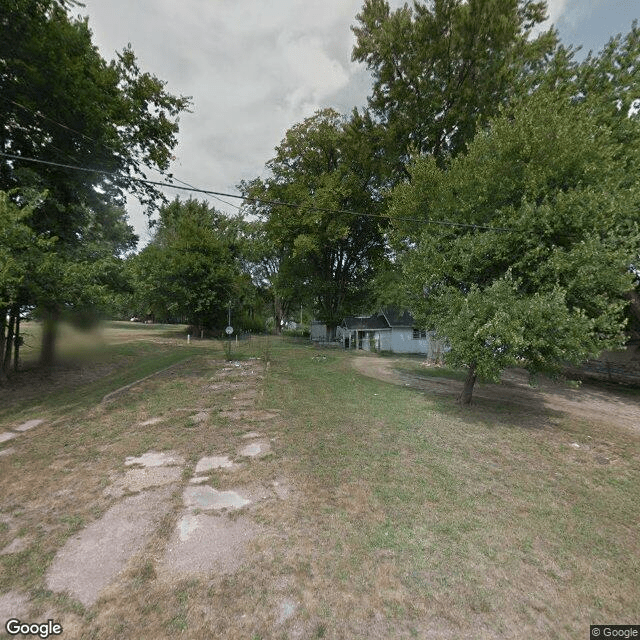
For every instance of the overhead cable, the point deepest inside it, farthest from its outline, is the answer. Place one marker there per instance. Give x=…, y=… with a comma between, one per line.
x=250, y=199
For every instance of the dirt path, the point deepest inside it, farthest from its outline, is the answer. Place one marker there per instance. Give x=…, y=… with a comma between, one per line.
x=590, y=402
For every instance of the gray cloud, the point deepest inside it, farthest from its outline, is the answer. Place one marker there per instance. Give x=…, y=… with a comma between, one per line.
x=253, y=68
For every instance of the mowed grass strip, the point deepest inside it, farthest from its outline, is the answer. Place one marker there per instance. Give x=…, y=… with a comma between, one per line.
x=90, y=365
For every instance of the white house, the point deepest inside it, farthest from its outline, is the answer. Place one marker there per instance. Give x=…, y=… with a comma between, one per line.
x=389, y=330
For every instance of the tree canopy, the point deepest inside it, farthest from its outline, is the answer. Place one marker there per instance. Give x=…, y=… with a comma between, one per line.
x=192, y=269
x=61, y=104
x=326, y=171
x=543, y=226
x=442, y=69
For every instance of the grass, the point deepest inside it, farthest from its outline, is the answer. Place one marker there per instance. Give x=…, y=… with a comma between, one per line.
x=404, y=516
x=423, y=369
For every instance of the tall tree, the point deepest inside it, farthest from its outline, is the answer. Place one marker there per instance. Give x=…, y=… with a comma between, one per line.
x=61, y=103
x=265, y=260
x=191, y=270
x=325, y=169
x=441, y=69
x=531, y=265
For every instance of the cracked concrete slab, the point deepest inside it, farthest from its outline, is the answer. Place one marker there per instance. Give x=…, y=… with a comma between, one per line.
x=249, y=414
x=7, y=435
x=281, y=488
x=18, y=544
x=150, y=421
x=13, y=604
x=214, y=462
x=136, y=480
x=29, y=424
x=7, y=452
x=210, y=498
x=206, y=543
x=286, y=609
x=255, y=449
x=92, y=559
x=155, y=459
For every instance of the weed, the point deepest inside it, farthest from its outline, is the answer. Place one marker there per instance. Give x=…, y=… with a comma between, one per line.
x=179, y=622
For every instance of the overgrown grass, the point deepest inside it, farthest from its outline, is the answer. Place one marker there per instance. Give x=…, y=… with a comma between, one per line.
x=405, y=516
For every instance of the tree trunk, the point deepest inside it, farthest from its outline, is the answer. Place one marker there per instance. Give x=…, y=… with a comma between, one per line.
x=3, y=325
x=6, y=360
x=49, y=333
x=277, y=309
x=17, y=342
x=465, y=397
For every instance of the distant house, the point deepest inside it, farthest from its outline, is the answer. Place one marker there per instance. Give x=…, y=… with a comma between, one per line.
x=388, y=330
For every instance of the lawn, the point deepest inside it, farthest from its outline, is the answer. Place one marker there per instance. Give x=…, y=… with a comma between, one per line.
x=397, y=515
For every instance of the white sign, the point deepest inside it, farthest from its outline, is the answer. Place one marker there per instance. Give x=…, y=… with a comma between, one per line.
x=229, y=330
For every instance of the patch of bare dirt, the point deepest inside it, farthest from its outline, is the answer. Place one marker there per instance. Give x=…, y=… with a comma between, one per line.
x=590, y=402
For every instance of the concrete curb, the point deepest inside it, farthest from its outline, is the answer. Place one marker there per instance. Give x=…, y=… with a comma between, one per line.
x=112, y=394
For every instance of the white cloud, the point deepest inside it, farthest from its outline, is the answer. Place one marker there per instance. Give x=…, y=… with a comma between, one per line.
x=555, y=9
x=253, y=68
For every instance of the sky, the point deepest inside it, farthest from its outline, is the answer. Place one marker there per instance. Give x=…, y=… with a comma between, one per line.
x=256, y=68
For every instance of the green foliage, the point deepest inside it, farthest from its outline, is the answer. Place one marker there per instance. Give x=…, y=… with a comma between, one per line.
x=191, y=270
x=24, y=254
x=324, y=164
x=549, y=288
x=442, y=69
x=62, y=103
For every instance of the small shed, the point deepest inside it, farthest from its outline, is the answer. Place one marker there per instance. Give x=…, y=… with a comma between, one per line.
x=321, y=333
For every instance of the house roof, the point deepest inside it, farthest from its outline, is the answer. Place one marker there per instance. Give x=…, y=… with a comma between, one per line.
x=396, y=318
x=365, y=322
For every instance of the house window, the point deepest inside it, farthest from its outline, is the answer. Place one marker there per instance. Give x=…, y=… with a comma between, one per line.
x=419, y=334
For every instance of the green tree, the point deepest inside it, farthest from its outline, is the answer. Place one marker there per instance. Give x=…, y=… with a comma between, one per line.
x=442, y=69
x=324, y=164
x=191, y=270
x=265, y=260
x=61, y=103
x=25, y=265
x=532, y=268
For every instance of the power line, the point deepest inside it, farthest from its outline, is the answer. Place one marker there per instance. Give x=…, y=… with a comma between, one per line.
x=64, y=126
x=281, y=203
x=216, y=195
x=230, y=204
x=104, y=144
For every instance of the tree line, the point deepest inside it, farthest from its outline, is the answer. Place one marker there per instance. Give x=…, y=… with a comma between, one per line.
x=489, y=186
